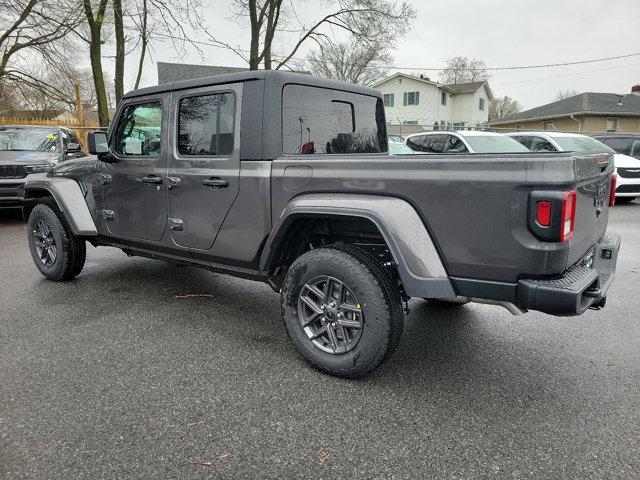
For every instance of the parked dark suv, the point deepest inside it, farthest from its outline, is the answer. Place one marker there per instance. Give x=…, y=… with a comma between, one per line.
x=625, y=143
x=26, y=150
x=286, y=179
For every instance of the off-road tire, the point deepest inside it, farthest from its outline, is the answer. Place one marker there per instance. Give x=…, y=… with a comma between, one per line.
x=71, y=250
x=377, y=294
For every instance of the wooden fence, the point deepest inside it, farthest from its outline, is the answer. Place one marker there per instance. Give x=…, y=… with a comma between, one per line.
x=80, y=130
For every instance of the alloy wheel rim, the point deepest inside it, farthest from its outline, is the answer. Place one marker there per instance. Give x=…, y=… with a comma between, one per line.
x=45, y=243
x=330, y=315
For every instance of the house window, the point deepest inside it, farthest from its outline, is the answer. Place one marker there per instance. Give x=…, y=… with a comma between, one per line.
x=410, y=122
x=481, y=104
x=388, y=99
x=443, y=98
x=548, y=126
x=612, y=124
x=411, y=98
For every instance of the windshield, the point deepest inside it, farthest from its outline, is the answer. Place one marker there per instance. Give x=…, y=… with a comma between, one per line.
x=494, y=144
x=582, y=144
x=29, y=139
x=396, y=148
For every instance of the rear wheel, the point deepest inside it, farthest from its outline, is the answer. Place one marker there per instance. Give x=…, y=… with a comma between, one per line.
x=56, y=251
x=342, y=310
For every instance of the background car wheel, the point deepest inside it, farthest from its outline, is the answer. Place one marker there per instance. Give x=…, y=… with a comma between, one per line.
x=342, y=310
x=56, y=251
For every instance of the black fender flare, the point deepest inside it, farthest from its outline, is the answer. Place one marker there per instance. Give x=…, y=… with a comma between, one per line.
x=69, y=199
x=419, y=264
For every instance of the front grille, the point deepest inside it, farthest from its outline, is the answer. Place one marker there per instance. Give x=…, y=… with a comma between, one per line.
x=628, y=189
x=13, y=171
x=629, y=172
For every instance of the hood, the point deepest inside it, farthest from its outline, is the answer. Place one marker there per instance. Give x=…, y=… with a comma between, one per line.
x=625, y=161
x=27, y=158
x=78, y=166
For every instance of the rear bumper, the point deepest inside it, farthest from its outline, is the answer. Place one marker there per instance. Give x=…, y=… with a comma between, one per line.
x=582, y=287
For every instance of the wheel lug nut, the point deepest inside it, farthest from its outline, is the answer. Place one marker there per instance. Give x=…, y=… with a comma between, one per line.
x=332, y=304
x=339, y=315
x=323, y=307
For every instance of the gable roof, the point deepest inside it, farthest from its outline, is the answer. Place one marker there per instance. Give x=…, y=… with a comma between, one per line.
x=404, y=75
x=454, y=88
x=584, y=103
x=175, y=72
x=470, y=87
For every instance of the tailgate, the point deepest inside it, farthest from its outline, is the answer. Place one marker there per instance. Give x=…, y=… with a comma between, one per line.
x=593, y=193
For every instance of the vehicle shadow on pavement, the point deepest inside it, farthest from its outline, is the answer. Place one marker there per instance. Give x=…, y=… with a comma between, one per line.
x=11, y=216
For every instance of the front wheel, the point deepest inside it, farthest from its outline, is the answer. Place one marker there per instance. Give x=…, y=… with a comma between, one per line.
x=56, y=251
x=342, y=310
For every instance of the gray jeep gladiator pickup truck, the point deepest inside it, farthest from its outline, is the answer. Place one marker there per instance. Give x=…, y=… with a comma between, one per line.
x=285, y=178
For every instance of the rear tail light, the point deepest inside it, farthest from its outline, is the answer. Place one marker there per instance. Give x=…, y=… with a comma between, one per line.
x=568, y=220
x=543, y=213
x=614, y=184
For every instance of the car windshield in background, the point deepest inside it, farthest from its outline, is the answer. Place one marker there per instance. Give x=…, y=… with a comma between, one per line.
x=494, y=144
x=28, y=139
x=582, y=144
x=396, y=148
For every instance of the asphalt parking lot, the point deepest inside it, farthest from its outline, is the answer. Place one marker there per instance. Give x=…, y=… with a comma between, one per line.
x=140, y=369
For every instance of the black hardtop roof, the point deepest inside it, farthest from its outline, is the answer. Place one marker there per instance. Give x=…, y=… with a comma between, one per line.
x=275, y=76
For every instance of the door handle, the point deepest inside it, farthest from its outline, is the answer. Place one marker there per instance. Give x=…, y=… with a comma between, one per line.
x=152, y=179
x=215, y=182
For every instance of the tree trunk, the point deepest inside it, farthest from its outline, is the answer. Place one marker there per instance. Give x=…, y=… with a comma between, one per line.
x=95, y=51
x=119, y=60
x=143, y=39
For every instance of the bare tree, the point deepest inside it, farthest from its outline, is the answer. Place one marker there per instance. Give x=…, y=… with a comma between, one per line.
x=352, y=62
x=29, y=29
x=464, y=70
x=562, y=94
x=503, y=106
x=367, y=21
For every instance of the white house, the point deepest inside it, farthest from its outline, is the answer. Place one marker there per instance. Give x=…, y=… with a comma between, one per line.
x=423, y=104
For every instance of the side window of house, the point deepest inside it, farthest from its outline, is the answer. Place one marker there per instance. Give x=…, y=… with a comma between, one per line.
x=455, y=145
x=388, y=99
x=411, y=98
x=481, y=104
x=206, y=125
x=443, y=98
x=139, y=130
x=322, y=121
x=620, y=145
x=434, y=143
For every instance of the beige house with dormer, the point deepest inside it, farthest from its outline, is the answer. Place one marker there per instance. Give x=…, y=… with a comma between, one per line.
x=414, y=104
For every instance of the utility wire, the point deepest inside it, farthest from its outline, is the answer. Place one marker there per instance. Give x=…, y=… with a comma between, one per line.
x=163, y=36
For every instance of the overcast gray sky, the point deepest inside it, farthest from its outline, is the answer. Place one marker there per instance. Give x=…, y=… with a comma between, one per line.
x=500, y=32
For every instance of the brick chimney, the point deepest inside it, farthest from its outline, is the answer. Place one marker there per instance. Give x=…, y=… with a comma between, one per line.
x=636, y=89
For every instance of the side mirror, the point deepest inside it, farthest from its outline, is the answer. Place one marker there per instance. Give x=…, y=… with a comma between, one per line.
x=98, y=144
x=72, y=147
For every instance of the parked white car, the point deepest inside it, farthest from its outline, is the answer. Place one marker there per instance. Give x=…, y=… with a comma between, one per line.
x=472, y=141
x=627, y=168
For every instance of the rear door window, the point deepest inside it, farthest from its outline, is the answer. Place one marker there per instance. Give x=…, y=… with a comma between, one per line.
x=620, y=145
x=435, y=143
x=415, y=143
x=539, y=144
x=323, y=121
x=205, y=125
x=455, y=145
